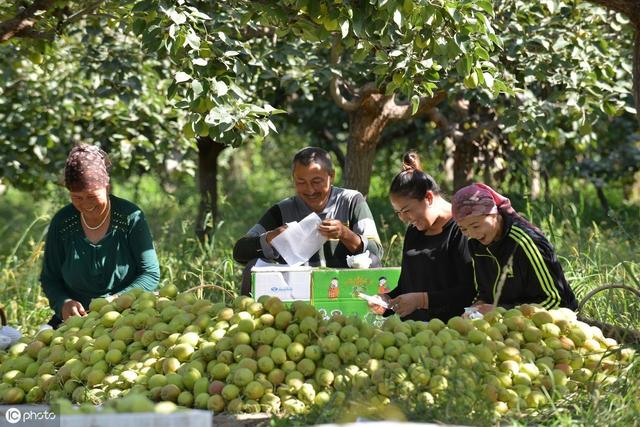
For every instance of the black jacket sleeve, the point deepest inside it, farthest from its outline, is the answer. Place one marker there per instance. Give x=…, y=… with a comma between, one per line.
x=253, y=244
x=541, y=274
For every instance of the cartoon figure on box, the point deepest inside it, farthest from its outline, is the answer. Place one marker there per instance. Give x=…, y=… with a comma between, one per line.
x=334, y=290
x=383, y=288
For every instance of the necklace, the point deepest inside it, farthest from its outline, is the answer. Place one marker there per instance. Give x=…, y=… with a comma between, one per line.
x=84, y=221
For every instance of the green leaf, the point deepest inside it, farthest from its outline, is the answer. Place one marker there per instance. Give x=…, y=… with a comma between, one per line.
x=488, y=80
x=482, y=53
x=344, y=29
x=175, y=16
x=397, y=18
x=415, y=104
x=221, y=88
x=486, y=6
x=143, y=6
x=139, y=25
x=196, y=86
x=181, y=77
x=550, y=4
x=560, y=44
x=192, y=40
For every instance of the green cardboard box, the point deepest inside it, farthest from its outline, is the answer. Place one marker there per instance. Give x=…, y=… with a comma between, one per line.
x=334, y=290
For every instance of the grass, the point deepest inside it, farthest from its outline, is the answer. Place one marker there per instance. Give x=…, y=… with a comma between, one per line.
x=595, y=248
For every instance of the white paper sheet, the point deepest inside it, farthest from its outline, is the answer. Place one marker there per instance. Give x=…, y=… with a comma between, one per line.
x=300, y=240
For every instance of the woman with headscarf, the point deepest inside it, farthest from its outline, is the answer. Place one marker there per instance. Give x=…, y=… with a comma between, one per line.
x=98, y=245
x=513, y=262
x=436, y=278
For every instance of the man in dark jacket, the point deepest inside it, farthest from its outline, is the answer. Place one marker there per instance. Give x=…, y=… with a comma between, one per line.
x=347, y=221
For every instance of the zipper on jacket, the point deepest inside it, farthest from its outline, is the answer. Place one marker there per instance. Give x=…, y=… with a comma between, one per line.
x=495, y=283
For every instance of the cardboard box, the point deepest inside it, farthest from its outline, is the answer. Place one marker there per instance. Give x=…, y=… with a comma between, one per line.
x=189, y=418
x=334, y=290
x=284, y=282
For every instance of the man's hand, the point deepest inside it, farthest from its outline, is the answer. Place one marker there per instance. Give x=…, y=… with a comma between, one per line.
x=332, y=229
x=378, y=309
x=72, y=308
x=274, y=233
x=406, y=304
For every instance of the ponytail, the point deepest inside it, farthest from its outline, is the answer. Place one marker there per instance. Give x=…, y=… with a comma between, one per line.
x=412, y=182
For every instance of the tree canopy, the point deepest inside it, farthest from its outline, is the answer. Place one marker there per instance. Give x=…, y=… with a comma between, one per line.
x=145, y=77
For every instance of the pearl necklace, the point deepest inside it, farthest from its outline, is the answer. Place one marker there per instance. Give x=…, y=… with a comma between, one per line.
x=84, y=221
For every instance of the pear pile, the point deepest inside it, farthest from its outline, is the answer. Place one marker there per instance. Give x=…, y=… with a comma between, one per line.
x=264, y=356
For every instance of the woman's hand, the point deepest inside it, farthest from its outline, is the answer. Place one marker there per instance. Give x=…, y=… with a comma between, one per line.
x=378, y=309
x=332, y=229
x=72, y=308
x=406, y=304
x=275, y=233
x=484, y=308
x=480, y=306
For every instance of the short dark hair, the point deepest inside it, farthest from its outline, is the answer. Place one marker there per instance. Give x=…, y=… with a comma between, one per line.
x=412, y=182
x=309, y=155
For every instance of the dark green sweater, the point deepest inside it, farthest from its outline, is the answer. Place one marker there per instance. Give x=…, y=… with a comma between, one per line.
x=74, y=268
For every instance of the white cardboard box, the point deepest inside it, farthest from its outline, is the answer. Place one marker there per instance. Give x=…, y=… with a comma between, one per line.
x=282, y=281
x=190, y=418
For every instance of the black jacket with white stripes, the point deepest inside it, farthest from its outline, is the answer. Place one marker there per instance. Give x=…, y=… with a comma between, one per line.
x=525, y=256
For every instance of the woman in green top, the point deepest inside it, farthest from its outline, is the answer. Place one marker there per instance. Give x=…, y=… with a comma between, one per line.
x=99, y=245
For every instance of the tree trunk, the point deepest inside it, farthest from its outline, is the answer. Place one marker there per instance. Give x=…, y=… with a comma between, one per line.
x=488, y=168
x=636, y=69
x=535, y=178
x=547, y=185
x=604, y=202
x=365, y=127
x=359, y=165
x=449, y=163
x=463, y=158
x=208, y=152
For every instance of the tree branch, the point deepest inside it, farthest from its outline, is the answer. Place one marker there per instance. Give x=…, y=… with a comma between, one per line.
x=336, y=81
x=339, y=99
x=79, y=14
x=402, y=110
x=24, y=21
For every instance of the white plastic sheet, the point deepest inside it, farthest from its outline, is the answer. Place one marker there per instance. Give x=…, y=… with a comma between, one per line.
x=300, y=240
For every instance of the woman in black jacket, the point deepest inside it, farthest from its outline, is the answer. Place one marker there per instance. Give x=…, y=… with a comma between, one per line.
x=436, y=278
x=513, y=262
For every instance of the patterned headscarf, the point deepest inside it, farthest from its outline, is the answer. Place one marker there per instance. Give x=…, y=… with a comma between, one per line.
x=478, y=199
x=87, y=167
